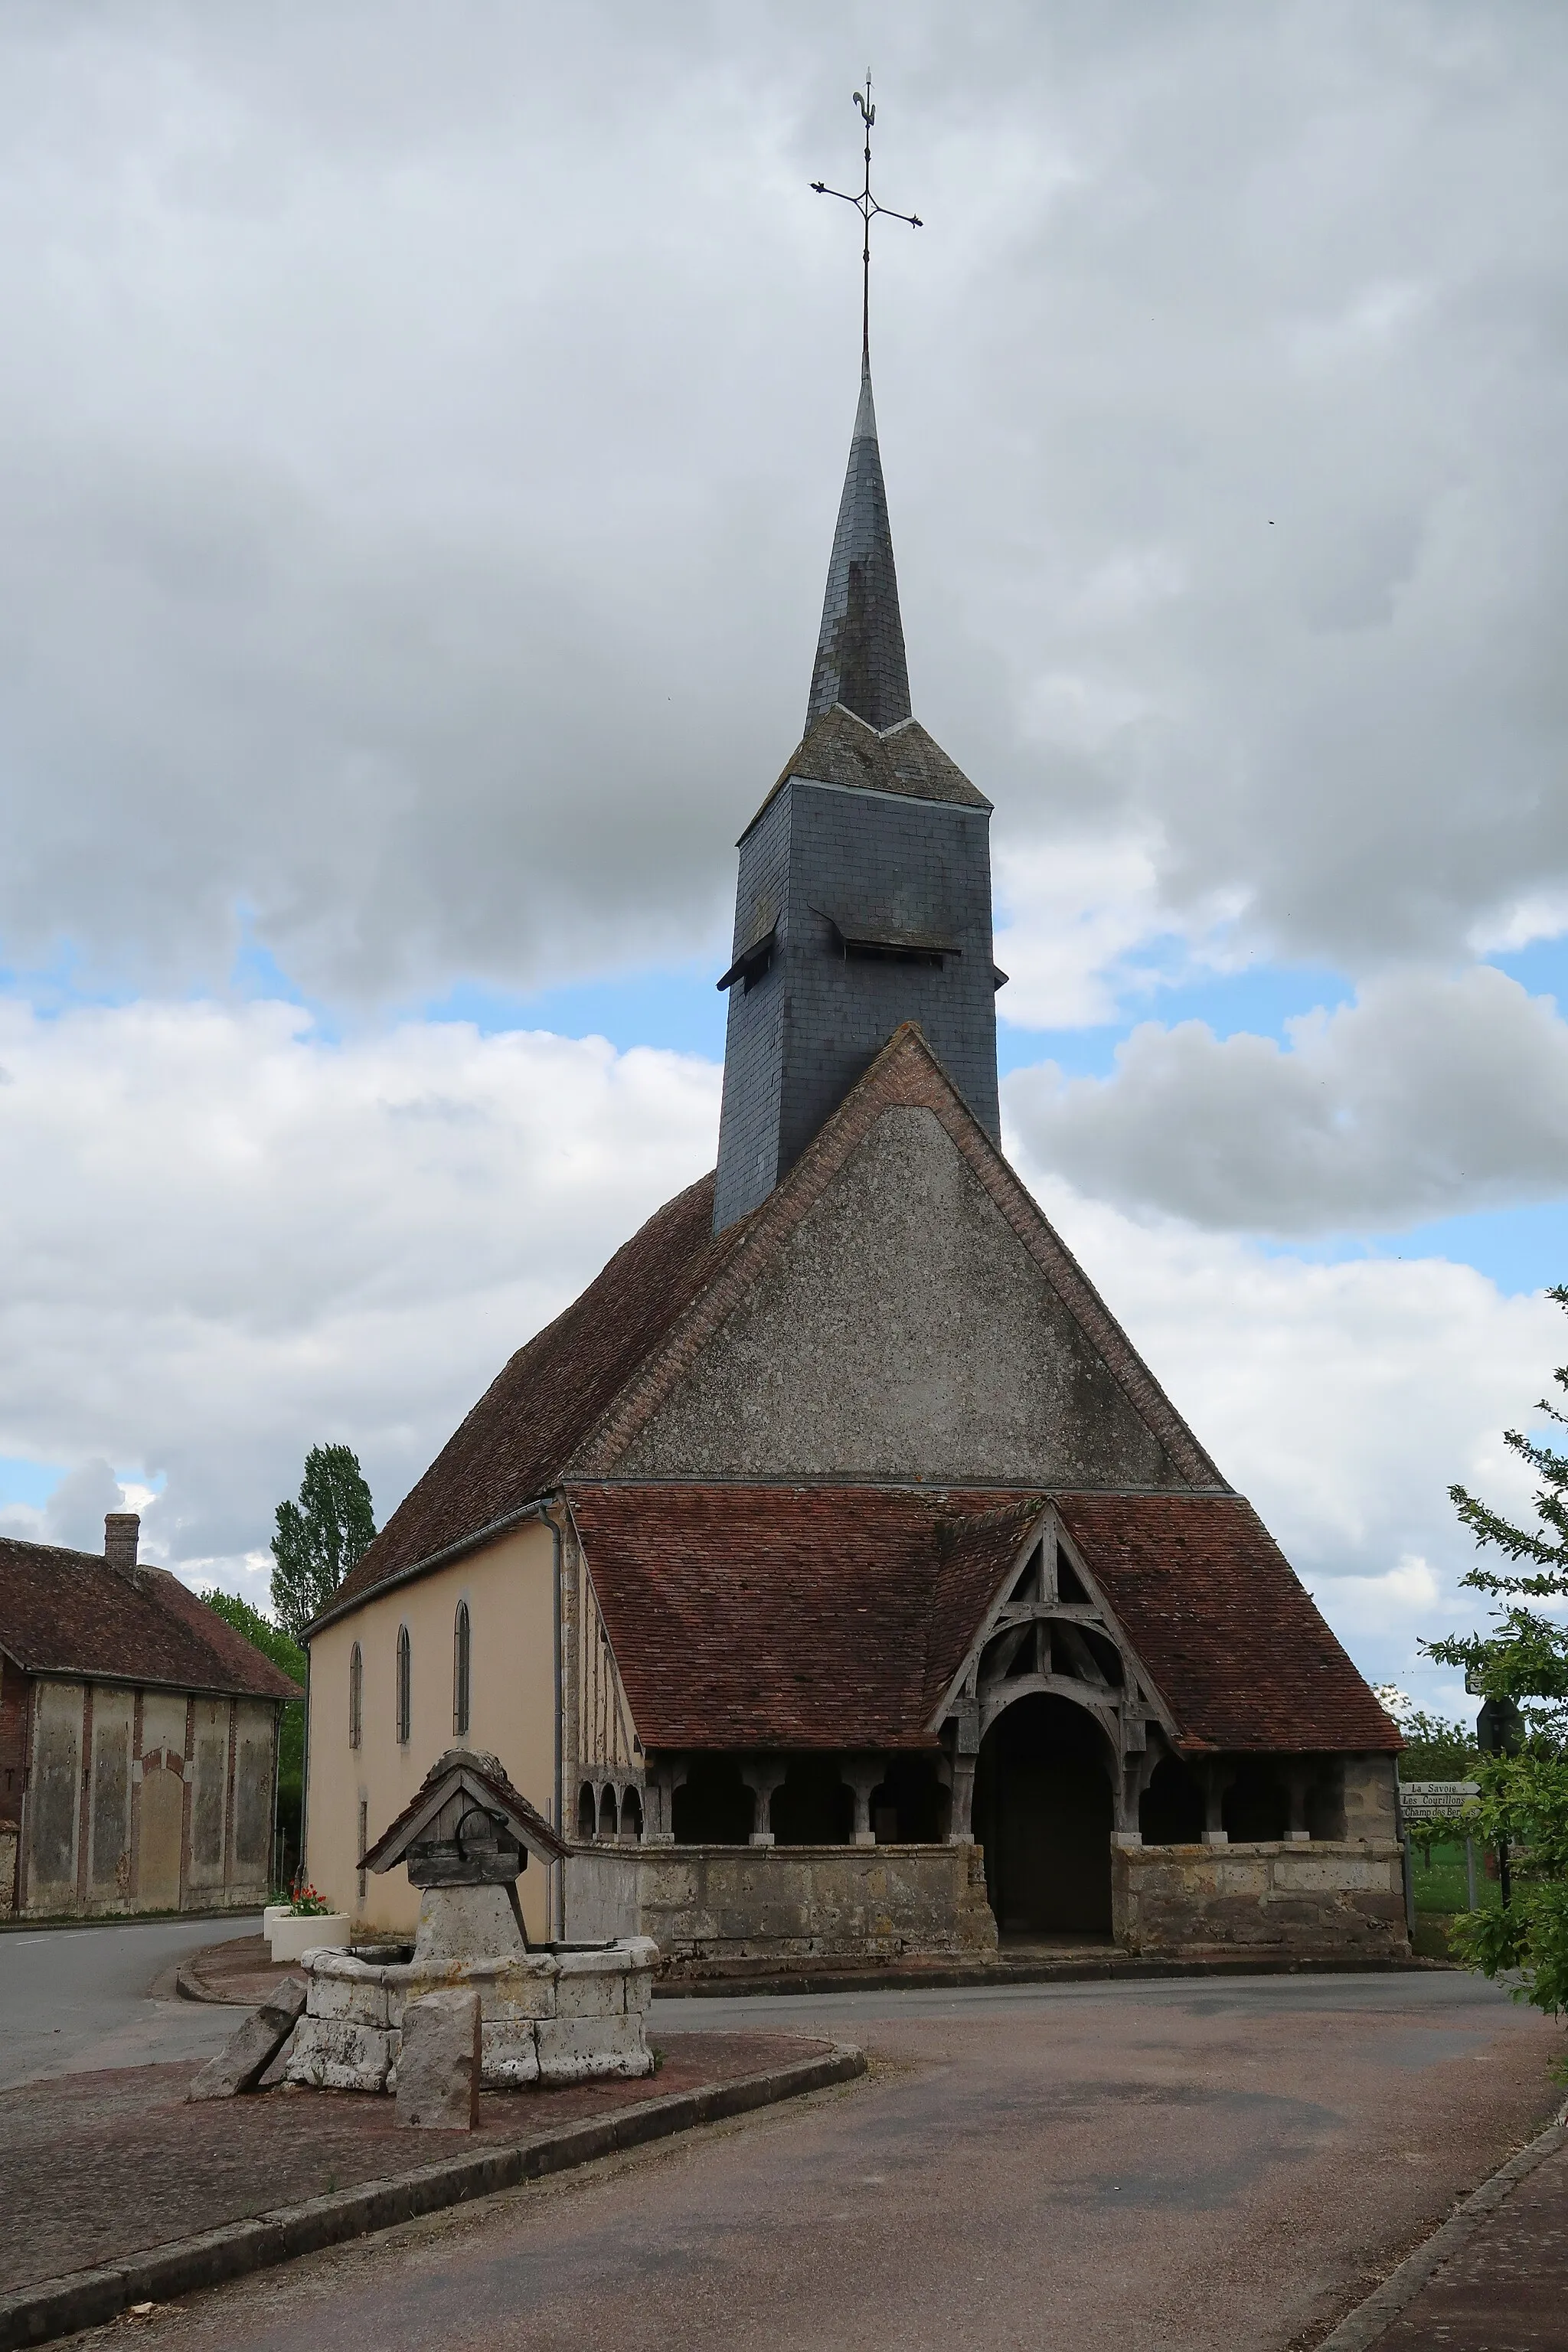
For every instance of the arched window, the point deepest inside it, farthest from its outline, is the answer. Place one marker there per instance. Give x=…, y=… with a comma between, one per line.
x=608, y=1824
x=404, y=1689
x=587, y=1810
x=356, y=1694
x=462, y=1658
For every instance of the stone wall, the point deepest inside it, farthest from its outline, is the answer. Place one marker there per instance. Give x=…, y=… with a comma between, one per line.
x=709, y=1904
x=855, y=1352
x=7, y=1874
x=1295, y=1899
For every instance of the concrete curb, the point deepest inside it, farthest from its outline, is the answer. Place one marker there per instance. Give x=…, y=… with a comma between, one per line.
x=192, y=1986
x=1016, y=1972
x=1366, y=2325
x=62, y=2307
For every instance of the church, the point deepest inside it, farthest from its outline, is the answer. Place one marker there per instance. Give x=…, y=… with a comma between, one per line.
x=834, y=1574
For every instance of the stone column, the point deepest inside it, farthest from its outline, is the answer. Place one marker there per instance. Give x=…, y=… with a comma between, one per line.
x=961, y=1830
x=762, y=1777
x=861, y=1774
x=659, y=1822
x=1215, y=1783
x=1296, y=1780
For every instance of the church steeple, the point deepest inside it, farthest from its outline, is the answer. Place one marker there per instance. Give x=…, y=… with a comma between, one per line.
x=861, y=659
x=864, y=896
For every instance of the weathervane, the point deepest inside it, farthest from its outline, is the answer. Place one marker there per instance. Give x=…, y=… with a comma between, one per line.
x=867, y=207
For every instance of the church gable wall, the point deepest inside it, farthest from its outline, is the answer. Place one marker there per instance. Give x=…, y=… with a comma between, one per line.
x=901, y=1332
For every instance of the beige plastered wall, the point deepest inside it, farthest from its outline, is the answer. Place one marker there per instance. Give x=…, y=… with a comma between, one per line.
x=509, y=1588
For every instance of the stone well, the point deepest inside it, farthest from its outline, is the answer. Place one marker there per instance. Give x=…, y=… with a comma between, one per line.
x=553, y=2013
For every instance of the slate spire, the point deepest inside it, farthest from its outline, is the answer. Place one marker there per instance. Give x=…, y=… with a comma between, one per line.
x=860, y=656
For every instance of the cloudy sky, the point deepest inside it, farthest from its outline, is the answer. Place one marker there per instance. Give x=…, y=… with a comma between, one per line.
x=420, y=436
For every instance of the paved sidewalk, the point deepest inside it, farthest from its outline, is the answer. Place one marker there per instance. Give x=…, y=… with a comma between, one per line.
x=1507, y=2291
x=97, y=2166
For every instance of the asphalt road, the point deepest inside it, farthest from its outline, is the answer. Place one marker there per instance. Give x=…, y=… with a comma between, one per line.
x=1210, y=2166
x=75, y=1998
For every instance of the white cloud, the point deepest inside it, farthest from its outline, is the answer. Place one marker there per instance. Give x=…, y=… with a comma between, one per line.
x=1344, y=1400
x=419, y=448
x=225, y=1240
x=1432, y=1095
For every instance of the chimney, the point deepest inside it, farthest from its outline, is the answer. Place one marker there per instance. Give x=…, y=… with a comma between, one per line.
x=120, y=1529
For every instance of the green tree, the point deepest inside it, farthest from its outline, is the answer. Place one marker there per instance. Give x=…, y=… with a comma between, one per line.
x=1523, y=1662
x=285, y=1653
x=321, y=1537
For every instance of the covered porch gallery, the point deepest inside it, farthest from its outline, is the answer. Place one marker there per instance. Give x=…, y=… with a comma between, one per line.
x=1037, y=1727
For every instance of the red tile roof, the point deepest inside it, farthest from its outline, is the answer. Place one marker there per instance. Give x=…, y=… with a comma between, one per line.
x=520, y=1436
x=68, y=1612
x=786, y=1616
x=1233, y=1639
x=834, y=1617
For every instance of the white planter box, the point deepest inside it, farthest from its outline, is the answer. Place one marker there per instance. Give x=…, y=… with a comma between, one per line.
x=274, y=1912
x=290, y=1935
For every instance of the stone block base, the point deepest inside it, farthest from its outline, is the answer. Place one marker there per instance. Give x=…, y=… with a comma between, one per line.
x=1314, y=1900
x=439, y=2063
x=557, y=2015
x=708, y=1904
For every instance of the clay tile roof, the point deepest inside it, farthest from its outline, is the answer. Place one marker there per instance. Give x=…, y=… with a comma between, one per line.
x=520, y=1436
x=791, y=1616
x=1233, y=1639
x=68, y=1612
x=837, y=1617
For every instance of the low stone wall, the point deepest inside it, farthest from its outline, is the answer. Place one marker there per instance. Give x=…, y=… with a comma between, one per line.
x=548, y=2016
x=1316, y=1900
x=708, y=1904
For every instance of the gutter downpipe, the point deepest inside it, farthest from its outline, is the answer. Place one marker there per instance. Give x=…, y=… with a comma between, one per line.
x=276, y=1776
x=558, y=1870
x=305, y=1775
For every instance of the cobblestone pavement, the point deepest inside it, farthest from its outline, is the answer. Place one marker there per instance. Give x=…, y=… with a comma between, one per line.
x=1217, y=2166
x=94, y=2167
x=1508, y=2290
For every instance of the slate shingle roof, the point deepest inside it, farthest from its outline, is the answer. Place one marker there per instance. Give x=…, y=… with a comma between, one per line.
x=839, y=749
x=68, y=1612
x=833, y=1617
x=860, y=660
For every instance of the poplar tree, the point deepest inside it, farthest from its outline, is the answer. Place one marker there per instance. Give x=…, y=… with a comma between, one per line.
x=1521, y=1667
x=321, y=1537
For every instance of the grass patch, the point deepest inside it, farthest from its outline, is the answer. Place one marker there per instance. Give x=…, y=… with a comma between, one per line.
x=1438, y=1875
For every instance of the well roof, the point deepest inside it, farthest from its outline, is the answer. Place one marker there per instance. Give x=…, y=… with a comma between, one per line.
x=70, y=1612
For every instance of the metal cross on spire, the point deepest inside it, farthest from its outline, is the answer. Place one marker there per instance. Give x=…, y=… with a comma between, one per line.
x=867, y=207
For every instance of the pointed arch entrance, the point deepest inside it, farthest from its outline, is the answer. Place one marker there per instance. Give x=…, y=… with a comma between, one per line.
x=1044, y=1813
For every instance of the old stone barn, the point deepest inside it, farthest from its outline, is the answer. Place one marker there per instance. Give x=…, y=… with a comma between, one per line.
x=834, y=1572
x=138, y=1738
